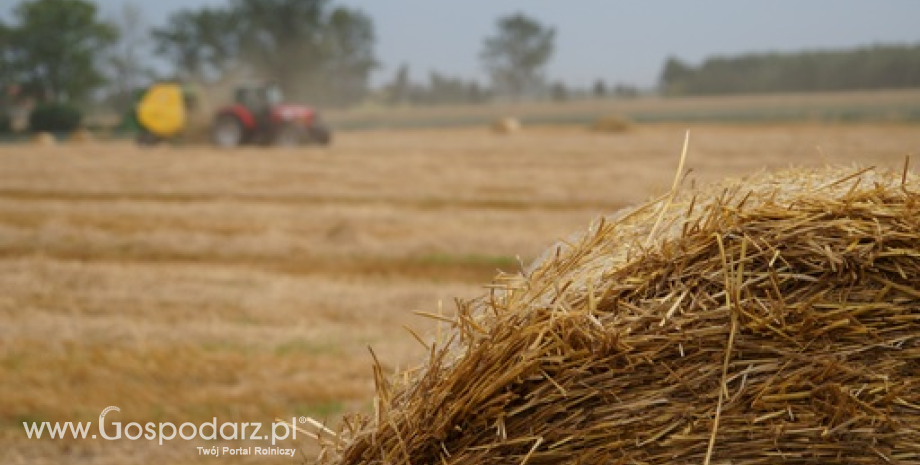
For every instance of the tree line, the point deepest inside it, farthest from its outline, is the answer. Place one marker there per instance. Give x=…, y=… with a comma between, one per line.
x=317, y=51
x=314, y=50
x=323, y=53
x=63, y=51
x=866, y=68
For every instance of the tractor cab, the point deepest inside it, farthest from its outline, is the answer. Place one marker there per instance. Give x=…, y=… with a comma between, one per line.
x=260, y=116
x=259, y=98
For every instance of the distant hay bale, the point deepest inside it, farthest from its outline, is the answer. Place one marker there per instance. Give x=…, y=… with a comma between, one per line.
x=506, y=125
x=611, y=124
x=81, y=136
x=770, y=320
x=44, y=139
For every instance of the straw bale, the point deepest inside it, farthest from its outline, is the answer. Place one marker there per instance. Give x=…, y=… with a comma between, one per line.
x=45, y=139
x=506, y=125
x=773, y=319
x=81, y=136
x=611, y=124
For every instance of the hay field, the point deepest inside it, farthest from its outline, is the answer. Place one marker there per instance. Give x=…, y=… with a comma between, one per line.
x=186, y=283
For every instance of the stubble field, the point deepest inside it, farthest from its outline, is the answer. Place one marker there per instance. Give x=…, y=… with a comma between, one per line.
x=186, y=283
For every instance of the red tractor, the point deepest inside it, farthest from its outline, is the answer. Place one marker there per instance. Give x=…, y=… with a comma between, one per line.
x=259, y=117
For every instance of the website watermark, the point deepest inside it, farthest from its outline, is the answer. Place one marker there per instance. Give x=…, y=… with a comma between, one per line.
x=168, y=431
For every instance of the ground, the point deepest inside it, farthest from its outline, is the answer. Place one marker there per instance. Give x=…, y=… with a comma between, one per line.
x=186, y=283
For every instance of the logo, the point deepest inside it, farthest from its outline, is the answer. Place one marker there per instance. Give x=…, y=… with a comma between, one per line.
x=277, y=430
x=106, y=411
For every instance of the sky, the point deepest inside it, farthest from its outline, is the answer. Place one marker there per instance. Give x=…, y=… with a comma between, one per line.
x=618, y=41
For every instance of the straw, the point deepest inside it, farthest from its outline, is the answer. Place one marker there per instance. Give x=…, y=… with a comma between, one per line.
x=773, y=319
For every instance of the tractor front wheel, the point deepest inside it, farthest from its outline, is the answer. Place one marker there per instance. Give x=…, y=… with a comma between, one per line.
x=147, y=139
x=320, y=135
x=227, y=132
x=288, y=135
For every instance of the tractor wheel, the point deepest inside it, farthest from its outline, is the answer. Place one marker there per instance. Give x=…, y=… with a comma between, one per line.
x=288, y=135
x=227, y=132
x=147, y=139
x=320, y=135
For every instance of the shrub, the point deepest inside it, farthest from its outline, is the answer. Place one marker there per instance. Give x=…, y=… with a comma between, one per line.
x=55, y=117
x=6, y=123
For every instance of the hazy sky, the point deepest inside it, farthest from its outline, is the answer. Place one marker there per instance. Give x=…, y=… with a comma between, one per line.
x=619, y=41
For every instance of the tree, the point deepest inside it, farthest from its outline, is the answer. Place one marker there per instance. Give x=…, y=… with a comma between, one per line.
x=476, y=94
x=6, y=59
x=401, y=86
x=200, y=44
x=349, y=55
x=313, y=51
x=559, y=91
x=876, y=67
x=674, y=75
x=284, y=38
x=516, y=55
x=53, y=49
x=126, y=62
x=444, y=89
x=625, y=91
x=600, y=89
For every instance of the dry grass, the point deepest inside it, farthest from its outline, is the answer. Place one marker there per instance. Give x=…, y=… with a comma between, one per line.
x=248, y=284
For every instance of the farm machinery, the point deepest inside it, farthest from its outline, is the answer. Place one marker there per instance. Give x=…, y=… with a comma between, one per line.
x=258, y=115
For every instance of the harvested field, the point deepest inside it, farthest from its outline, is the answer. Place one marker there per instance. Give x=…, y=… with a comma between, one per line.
x=186, y=283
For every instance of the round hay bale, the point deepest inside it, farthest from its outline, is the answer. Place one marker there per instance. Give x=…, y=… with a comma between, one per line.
x=770, y=320
x=81, y=136
x=506, y=125
x=611, y=124
x=45, y=139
